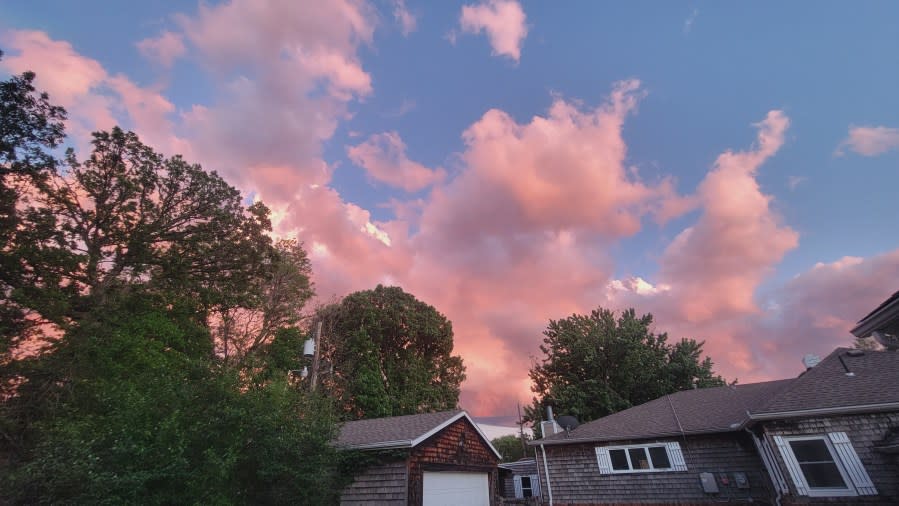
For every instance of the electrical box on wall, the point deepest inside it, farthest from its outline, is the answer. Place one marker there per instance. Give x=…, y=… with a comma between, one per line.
x=709, y=485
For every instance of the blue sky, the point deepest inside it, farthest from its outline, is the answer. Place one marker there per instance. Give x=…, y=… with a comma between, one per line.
x=709, y=73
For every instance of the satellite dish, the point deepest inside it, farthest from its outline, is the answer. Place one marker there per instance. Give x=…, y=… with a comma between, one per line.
x=810, y=360
x=567, y=422
x=889, y=341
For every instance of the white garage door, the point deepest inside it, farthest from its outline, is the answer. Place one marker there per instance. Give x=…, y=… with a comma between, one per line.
x=451, y=489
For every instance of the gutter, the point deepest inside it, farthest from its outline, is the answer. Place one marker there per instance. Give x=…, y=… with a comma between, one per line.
x=838, y=410
x=549, y=488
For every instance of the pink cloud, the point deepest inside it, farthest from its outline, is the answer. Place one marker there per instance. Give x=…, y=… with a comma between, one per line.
x=404, y=17
x=384, y=157
x=715, y=265
x=870, y=141
x=94, y=99
x=522, y=232
x=562, y=171
x=164, y=49
x=504, y=21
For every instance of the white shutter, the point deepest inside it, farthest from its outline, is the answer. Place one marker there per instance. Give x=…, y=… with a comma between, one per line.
x=852, y=464
x=518, y=493
x=676, y=456
x=535, y=485
x=792, y=465
x=605, y=463
x=771, y=463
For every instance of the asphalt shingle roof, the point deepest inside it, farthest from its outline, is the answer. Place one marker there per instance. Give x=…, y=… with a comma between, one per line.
x=873, y=381
x=376, y=431
x=718, y=409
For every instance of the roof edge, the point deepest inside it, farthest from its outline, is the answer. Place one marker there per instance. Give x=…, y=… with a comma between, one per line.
x=381, y=445
x=600, y=439
x=836, y=410
x=886, y=312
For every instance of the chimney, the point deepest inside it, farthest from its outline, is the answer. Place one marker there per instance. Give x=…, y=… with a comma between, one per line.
x=549, y=427
x=810, y=361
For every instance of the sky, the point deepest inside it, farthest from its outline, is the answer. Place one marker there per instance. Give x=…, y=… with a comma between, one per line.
x=730, y=168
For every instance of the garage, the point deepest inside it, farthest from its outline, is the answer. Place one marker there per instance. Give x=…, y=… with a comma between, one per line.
x=428, y=459
x=452, y=488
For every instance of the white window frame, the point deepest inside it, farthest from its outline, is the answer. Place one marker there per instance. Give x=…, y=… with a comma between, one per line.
x=799, y=476
x=672, y=451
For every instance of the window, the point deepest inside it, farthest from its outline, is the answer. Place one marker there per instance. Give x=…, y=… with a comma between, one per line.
x=824, y=465
x=526, y=490
x=655, y=457
x=526, y=486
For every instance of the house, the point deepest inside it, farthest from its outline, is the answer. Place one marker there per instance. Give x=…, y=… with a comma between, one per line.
x=519, y=480
x=826, y=437
x=429, y=459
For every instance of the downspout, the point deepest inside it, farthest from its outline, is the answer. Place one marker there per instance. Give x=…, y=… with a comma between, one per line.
x=549, y=488
x=764, y=457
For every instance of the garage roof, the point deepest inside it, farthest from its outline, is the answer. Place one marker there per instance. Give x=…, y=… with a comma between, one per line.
x=400, y=431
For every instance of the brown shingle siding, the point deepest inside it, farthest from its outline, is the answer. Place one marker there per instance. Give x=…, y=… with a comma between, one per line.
x=443, y=452
x=863, y=431
x=575, y=477
x=384, y=484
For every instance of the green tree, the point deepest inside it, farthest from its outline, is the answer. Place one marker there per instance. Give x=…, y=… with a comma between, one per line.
x=283, y=290
x=140, y=415
x=510, y=447
x=391, y=354
x=598, y=364
x=30, y=129
x=125, y=261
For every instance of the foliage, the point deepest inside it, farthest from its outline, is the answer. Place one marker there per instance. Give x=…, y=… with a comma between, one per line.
x=283, y=290
x=123, y=262
x=597, y=364
x=866, y=344
x=391, y=353
x=141, y=417
x=30, y=128
x=510, y=447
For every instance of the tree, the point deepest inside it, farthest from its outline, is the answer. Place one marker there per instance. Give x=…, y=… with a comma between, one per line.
x=866, y=344
x=30, y=128
x=510, y=447
x=139, y=415
x=597, y=364
x=391, y=353
x=128, y=218
x=123, y=261
x=283, y=291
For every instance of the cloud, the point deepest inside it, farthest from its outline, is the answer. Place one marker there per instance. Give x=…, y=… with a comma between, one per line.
x=504, y=21
x=523, y=228
x=688, y=23
x=404, y=17
x=715, y=265
x=164, y=49
x=870, y=141
x=384, y=158
x=93, y=98
x=406, y=106
x=793, y=182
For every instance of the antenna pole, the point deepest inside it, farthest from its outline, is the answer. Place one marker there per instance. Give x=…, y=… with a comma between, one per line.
x=316, y=337
x=524, y=446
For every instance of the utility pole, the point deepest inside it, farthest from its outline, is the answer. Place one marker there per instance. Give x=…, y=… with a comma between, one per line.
x=316, y=338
